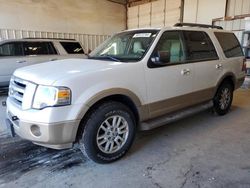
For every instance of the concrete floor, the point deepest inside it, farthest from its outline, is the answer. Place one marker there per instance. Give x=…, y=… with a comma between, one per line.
x=200, y=151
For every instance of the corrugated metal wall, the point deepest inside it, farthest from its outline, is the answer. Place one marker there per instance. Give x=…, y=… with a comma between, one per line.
x=154, y=14
x=203, y=11
x=99, y=17
x=238, y=7
x=234, y=21
x=88, y=41
x=237, y=26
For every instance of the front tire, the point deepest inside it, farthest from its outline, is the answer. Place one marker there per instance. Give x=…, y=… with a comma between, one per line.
x=109, y=132
x=223, y=98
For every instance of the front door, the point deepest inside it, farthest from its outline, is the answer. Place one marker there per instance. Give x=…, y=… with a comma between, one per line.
x=169, y=87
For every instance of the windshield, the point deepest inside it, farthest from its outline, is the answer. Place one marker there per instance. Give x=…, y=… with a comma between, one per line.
x=126, y=47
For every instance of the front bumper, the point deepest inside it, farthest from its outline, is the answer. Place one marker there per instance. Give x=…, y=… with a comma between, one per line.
x=56, y=135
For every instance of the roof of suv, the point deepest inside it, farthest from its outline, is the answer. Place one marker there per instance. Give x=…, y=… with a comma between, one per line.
x=185, y=26
x=37, y=39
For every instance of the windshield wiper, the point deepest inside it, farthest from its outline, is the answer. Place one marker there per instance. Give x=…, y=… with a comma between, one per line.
x=110, y=57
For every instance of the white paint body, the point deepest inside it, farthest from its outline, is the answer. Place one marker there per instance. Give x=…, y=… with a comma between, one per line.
x=87, y=78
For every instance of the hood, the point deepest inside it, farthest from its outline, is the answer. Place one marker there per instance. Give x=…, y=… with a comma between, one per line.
x=50, y=72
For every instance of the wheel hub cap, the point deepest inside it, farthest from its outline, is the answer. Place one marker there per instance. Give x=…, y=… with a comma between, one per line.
x=112, y=134
x=225, y=98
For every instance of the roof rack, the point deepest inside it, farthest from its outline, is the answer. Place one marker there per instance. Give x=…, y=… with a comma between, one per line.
x=48, y=38
x=197, y=25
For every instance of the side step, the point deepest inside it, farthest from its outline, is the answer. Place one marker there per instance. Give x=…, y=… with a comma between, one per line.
x=163, y=120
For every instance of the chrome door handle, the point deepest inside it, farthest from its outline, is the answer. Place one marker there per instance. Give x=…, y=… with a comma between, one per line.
x=185, y=72
x=21, y=61
x=53, y=59
x=218, y=66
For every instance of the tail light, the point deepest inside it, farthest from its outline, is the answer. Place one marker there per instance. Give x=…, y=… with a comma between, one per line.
x=244, y=66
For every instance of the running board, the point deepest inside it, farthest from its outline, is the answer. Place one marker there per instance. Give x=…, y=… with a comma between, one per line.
x=163, y=120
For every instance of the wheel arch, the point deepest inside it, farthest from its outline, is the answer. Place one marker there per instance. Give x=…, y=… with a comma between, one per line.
x=123, y=96
x=230, y=77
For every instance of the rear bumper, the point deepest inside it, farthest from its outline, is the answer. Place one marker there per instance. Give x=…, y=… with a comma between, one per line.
x=239, y=82
x=248, y=71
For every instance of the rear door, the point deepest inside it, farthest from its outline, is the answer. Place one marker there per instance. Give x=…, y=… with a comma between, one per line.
x=11, y=58
x=169, y=87
x=233, y=54
x=207, y=65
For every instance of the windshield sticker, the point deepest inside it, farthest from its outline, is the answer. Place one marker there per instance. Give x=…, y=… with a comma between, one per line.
x=142, y=35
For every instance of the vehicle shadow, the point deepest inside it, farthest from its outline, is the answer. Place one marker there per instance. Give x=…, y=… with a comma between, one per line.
x=18, y=156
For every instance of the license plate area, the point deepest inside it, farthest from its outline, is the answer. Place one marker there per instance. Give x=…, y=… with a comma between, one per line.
x=14, y=119
x=10, y=128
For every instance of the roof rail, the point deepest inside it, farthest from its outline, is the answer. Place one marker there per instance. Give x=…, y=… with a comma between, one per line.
x=197, y=25
x=48, y=38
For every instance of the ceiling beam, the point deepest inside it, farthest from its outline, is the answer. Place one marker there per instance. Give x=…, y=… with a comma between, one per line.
x=121, y=2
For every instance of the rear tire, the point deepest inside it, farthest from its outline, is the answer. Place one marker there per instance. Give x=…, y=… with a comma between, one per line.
x=223, y=99
x=108, y=132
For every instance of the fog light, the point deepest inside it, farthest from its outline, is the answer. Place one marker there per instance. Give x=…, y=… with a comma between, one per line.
x=35, y=130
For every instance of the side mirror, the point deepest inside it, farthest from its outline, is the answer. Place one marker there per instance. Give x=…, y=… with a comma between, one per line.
x=162, y=58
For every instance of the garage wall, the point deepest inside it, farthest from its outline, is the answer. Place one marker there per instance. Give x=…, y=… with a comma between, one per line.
x=203, y=11
x=71, y=16
x=238, y=7
x=90, y=42
x=237, y=10
x=154, y=14
x=236, y=25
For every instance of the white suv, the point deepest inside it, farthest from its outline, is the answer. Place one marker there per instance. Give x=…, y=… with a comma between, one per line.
x=18, y=53
x=137, y=79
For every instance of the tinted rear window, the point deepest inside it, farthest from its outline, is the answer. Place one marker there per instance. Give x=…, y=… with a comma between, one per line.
x=39, y=48
x=230, y=44
x=199, y=46
x=72, y=47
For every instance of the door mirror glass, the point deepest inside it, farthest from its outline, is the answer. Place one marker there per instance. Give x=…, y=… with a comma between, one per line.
x=162, y=58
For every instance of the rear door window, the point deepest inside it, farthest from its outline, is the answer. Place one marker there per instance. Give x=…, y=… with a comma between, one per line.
x=229, y=44
x=72, y=47
x=39, y=48
x=199, y=46
x=11, y=49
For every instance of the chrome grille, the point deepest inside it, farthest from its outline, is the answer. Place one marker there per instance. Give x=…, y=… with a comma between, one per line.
x=16, y=90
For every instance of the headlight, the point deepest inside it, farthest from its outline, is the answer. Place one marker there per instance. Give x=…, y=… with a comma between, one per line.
x=47, y=96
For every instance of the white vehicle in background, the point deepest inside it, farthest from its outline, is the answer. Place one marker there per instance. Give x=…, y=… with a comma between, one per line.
x=245, y=43
x=17, y=53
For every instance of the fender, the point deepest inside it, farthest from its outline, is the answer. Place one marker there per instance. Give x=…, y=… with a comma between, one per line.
x=143, y=110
